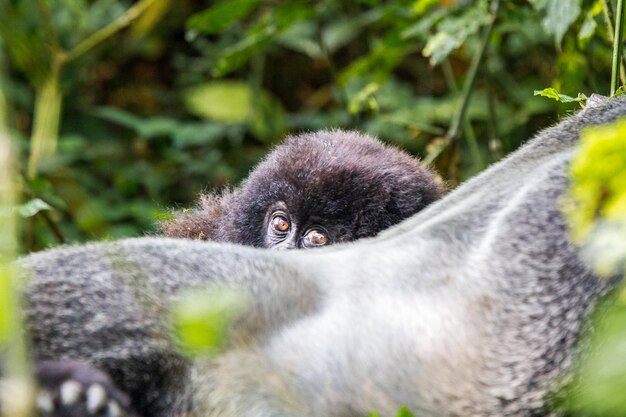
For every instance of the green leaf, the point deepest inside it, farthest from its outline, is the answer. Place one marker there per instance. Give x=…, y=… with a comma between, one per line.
x=553, y=94
x=22, y=36
x=265, y=29
x=377, y=65
x=419, y=7
x=453, y=31
x=341, y=32
x=548, y=92
x=364, y=99
x=118, y=116
x=601, y=380
x=404, y=412
x=268, y=120
x=28, y=209
x=202, y=319
x=32, y=207
x=598, y=187
x=224, y=101
x=146, y=128
x=192, y=134
x=221, y=16
x=421, y=29
x=236, y=55
x=559, y=15
x=301, y=37
x=588, y=28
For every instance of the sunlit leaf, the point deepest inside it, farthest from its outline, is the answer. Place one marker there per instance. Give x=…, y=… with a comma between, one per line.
x=453, y=31
x=596, y=206
x=364, y=99
x=202, y=319
x=225, y=101
x=559, y=15
x=554, y=94
x=419, y=7
x=32, y=207
x=588, y=28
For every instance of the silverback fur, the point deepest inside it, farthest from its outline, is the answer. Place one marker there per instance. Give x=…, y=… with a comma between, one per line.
x=472, y=307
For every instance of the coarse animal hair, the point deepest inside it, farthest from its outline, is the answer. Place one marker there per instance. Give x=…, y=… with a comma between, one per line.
x=472, y=307
x=351, y=184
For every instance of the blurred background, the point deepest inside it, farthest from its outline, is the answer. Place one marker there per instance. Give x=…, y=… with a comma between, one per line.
x=123, y=110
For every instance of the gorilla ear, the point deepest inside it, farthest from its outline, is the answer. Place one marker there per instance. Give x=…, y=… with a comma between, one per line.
x=202, y=222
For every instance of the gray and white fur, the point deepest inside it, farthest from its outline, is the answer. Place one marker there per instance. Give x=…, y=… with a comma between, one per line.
x=472, y=307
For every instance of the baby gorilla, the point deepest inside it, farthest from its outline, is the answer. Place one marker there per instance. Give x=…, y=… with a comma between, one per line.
x=313, y=190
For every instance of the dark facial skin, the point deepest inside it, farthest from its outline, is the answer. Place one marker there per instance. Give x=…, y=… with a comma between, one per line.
x=283, y=231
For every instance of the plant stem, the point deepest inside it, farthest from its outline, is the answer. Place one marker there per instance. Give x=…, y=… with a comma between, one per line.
x=49, y=96
x=46, y=20
x=608, y=18
x=617, y=45
x=101, y=35
x=459, y=117
x=468, y=130
x=46, y=116
x=16, y=389
x=342, y=95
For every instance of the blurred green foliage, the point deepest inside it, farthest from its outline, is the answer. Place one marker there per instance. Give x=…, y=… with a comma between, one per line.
x=202, y=319
x=157, y=100
x=403, y=412
x=598, y=389
x=598, y=186
x=596, y=211
x=16, y=371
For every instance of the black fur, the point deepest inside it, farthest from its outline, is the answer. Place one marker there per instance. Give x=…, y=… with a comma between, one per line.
x=352, y=184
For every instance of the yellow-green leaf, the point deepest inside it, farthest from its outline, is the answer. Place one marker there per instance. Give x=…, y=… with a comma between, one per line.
x=224, y=101
x=202, y=319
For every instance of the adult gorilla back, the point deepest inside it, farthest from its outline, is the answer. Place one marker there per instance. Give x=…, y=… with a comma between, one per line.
x=472, y=307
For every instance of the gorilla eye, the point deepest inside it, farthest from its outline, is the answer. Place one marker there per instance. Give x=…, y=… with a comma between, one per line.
x=315, y=237
x=280, y=223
